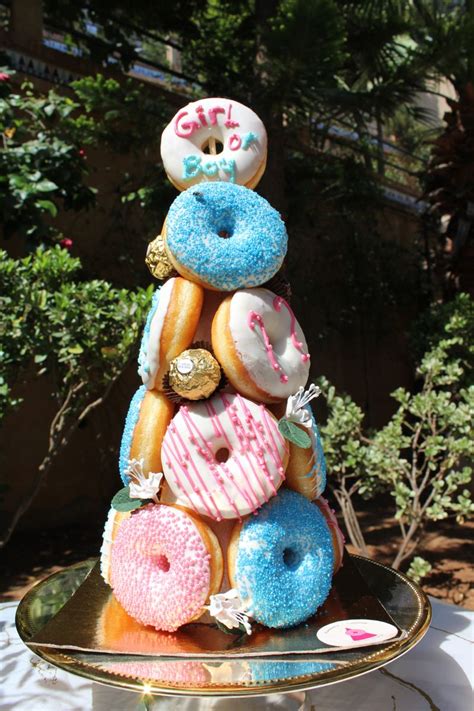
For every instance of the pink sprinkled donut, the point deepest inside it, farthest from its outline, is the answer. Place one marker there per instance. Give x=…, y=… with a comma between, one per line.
x=165, y=564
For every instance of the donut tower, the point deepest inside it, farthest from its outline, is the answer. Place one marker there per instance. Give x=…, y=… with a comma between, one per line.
x=221, y=513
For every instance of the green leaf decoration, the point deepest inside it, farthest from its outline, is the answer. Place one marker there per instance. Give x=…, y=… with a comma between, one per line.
x=294, y=434
x=235, y=631
x=123, y=502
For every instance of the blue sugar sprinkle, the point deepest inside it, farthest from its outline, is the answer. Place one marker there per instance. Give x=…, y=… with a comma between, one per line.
x=284, y=560
x=143, y=353
x=130, y=423
x=254, y=250
x=318, y=470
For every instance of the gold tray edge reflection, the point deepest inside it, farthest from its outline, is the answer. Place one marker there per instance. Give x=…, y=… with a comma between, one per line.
x=416, y=630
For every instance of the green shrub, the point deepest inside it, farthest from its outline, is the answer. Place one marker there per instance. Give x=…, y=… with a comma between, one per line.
x=82, y=333
x=42, y=169
x=423, y=456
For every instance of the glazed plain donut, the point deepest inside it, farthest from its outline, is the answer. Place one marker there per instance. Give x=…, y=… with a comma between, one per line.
x=190, y=143
x=281, y=560
x=148, y=416
x=337, y=535
x=165, y=564
x=224, y=237
x=224, y=457
x=260, y=345
x=170, y=327
x=306, y=470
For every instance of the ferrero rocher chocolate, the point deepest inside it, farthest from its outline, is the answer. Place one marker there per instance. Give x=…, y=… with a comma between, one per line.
x=157, y=260
x=194, y=374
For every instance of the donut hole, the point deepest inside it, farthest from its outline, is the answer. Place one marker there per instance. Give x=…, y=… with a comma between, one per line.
x=291, y=558
x=224, y=228
x=162, y=562
x=222, y=455
x=212, y=147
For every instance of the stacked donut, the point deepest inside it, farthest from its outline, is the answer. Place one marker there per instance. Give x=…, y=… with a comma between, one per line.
x=221, y=456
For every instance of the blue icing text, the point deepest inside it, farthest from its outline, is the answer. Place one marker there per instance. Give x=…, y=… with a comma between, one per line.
x=248, y=139
x=193, y=167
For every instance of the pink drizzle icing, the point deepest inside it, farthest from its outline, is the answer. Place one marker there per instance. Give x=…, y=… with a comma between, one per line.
x=278, y=302
x=257, y=478
x=255, y=319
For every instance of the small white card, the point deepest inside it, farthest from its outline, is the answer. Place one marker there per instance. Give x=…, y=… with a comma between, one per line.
x=356, y=633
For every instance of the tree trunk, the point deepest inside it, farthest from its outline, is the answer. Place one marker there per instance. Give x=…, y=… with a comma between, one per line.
x=272, y=185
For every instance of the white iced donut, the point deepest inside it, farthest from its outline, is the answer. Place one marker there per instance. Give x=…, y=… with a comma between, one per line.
x=224, y=457
x=260, y=345
x=214, y=139
x=170, y=327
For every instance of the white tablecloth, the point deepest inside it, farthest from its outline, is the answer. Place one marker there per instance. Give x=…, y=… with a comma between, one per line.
x=435, y=676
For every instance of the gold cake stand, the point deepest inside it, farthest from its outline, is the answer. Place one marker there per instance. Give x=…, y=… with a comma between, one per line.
x=403, y=600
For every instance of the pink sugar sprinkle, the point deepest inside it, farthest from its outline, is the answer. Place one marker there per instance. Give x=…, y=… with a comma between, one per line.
x=160, y=567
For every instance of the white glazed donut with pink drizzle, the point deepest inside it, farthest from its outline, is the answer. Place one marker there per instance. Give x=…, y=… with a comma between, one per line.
x=224, y=457
x=260, y=345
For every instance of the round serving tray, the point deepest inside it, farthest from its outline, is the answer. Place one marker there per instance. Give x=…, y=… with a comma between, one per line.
x=403, y=600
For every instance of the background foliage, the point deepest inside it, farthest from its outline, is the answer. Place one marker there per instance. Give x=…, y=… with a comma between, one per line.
x=78, y=333
x=423, y=455
x=307, y=67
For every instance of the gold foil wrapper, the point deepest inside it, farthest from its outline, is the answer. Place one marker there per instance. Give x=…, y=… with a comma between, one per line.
x=157, y=260
x=194, y=374
x=93, y=621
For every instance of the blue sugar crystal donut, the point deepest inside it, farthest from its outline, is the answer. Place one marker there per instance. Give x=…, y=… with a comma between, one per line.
x=284, y=560
x=224, y=236
x=143, y=367
x=130, y=424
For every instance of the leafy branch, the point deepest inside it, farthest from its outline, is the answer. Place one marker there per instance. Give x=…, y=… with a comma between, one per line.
x=80, y=333
x=421, y=457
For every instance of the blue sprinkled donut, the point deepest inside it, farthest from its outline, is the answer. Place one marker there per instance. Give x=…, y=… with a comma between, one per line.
x=282, y=562
x=130, y=424
x=142, y=354
x=224, y=236
x=318, y=471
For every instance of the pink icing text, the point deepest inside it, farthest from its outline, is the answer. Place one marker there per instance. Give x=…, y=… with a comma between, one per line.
x=184, y=126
